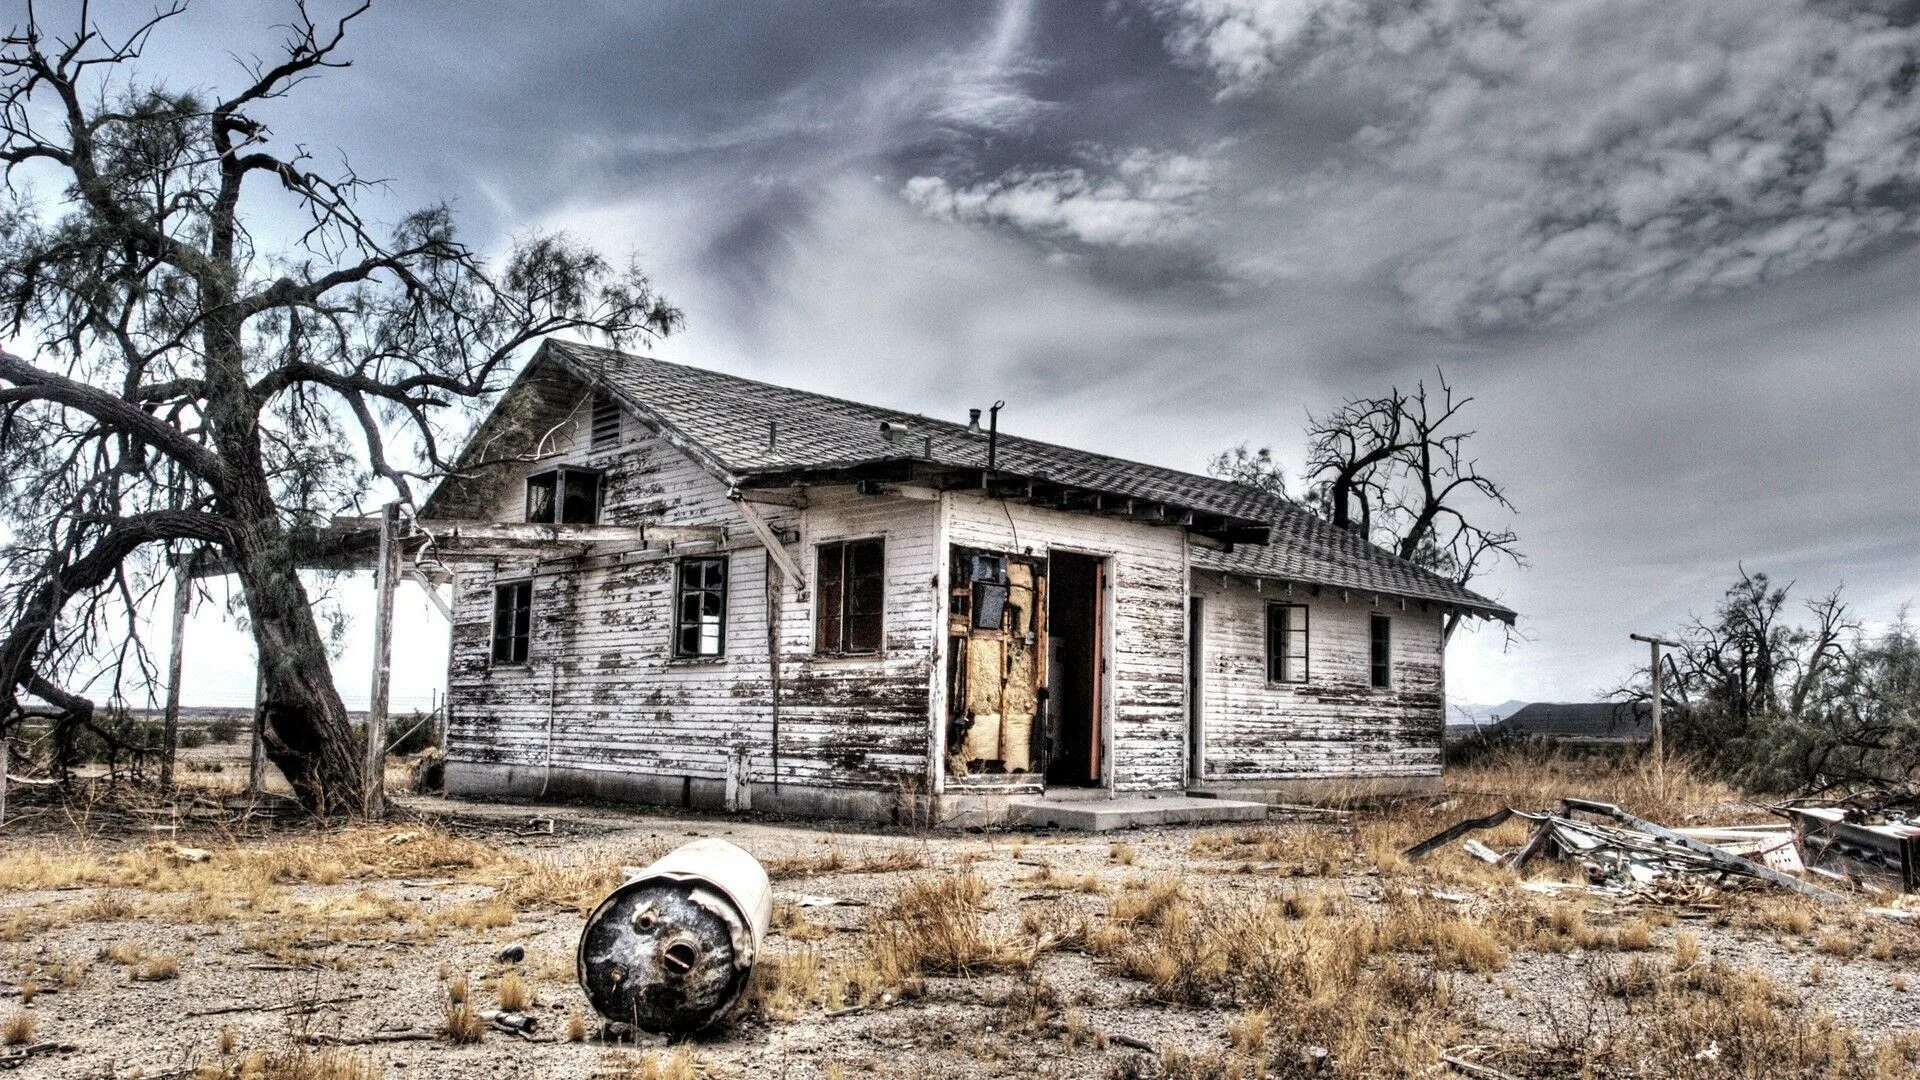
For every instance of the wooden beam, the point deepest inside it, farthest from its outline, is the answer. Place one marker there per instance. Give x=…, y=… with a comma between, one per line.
x=774, y=547
x=386, y=578
x=537, y=532
x=796, y=499
x=432, y=590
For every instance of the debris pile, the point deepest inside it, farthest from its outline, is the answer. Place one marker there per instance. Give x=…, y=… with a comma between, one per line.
x=1622, y=852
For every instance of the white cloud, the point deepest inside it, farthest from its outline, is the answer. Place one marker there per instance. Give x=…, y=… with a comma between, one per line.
x=1533, y=159
x=1140, y=197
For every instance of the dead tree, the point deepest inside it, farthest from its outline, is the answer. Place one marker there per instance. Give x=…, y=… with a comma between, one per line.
x=1395, y=469
x=192, y=386
x=1812, y=703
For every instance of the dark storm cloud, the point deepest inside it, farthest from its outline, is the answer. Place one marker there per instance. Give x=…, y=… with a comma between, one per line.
x=1669, y=247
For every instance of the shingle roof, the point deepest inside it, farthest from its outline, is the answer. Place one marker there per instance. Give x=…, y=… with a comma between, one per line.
x=816, y=432
x=1310, y=549
x=728, y=420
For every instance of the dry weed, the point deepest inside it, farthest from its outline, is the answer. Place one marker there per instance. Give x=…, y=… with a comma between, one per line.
x=18, y=1030
x=512, y=993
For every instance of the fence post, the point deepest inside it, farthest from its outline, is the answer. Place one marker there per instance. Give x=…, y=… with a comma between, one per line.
x=170, y=736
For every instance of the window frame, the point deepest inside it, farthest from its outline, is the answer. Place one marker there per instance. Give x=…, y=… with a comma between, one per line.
x=680, y=625
x=1380, y=651
x=560, y=475
x=840, y=610
x=524, y=636
x=1277, y=662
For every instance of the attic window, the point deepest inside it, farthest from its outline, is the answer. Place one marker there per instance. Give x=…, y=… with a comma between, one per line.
x=606, y=421
x=564, y=497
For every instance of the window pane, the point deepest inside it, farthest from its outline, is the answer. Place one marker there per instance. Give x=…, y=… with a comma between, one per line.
x=866, y=595
x=581, y=499
x=512, y=621
x=540, y=498
x=865, y=558
x=1382, y=650
x=1286, y=643
x=700, y=609
x=826, y=637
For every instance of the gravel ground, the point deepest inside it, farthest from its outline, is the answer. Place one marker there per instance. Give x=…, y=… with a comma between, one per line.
x=386, y=980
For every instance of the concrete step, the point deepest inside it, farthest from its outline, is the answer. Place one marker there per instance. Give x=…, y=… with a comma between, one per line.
x=1128, y=811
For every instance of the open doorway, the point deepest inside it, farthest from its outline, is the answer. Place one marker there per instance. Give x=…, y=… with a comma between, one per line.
x=1076, y=663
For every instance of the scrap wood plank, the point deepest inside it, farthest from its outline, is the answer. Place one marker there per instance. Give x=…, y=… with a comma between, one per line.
x=1733, y=862
x=1457, y=830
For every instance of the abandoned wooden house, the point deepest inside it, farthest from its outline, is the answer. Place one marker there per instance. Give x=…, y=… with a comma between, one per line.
x=682, y=587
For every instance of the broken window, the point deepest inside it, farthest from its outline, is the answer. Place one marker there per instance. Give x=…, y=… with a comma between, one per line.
x=1286, y=643
x=851, y=590
x=606, y=420
x=564, y=497
x=512, y=621
x=1380, y=631
x=700, y=613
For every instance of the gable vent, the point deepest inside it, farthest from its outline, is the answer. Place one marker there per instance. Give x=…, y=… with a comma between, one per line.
x=606, y=421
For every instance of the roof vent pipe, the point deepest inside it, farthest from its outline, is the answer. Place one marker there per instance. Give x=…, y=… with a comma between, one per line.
x=993, y=433
x=973, y=421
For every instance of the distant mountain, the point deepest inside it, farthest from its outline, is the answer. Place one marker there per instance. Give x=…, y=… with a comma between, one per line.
x=1468, y=716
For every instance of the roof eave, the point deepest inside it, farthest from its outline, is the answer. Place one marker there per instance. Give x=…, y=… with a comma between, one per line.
x=1478, y=607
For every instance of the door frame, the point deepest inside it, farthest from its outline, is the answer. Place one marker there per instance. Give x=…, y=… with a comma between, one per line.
x=1101, y=719
x=1196, y=688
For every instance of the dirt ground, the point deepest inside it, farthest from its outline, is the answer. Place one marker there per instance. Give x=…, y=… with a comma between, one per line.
x=1302, y=947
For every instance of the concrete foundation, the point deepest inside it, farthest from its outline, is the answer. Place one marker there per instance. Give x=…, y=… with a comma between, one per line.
x=474, y=780
x=1072, y=808
x=1319, y=791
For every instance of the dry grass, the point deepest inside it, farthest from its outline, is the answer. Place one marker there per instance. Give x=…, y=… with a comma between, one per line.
x=567, y=886
x=791, y=921
x=834, y=860
x=1285, y=850
x=512, y=993
x=297, y=1063
x=362, y=854
x=934, y=927
x=677, y=1064
x=18, y=1030
x=159, y=967
x=1714, y=1021
x=463, y=1023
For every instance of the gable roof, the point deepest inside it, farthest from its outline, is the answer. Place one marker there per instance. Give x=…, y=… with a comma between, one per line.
x=759, y=432
x=1623, y=720
x=750, y=433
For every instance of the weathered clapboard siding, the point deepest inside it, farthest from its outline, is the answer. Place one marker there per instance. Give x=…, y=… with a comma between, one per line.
x=1146, y=615
x=1335, y=725
x=601, y=690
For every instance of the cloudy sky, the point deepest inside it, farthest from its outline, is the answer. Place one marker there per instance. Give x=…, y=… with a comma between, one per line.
x=1672, y=250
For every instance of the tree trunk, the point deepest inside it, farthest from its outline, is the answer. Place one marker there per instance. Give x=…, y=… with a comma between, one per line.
x=305, y=728
x=307, y=734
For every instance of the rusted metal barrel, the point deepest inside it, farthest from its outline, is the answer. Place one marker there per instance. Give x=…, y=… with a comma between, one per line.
x=670, y=950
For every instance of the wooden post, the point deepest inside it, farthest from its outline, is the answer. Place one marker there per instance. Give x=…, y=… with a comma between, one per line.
x=1654, y=645
x=257, y=753
x=386, y=576
x=170, y=735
